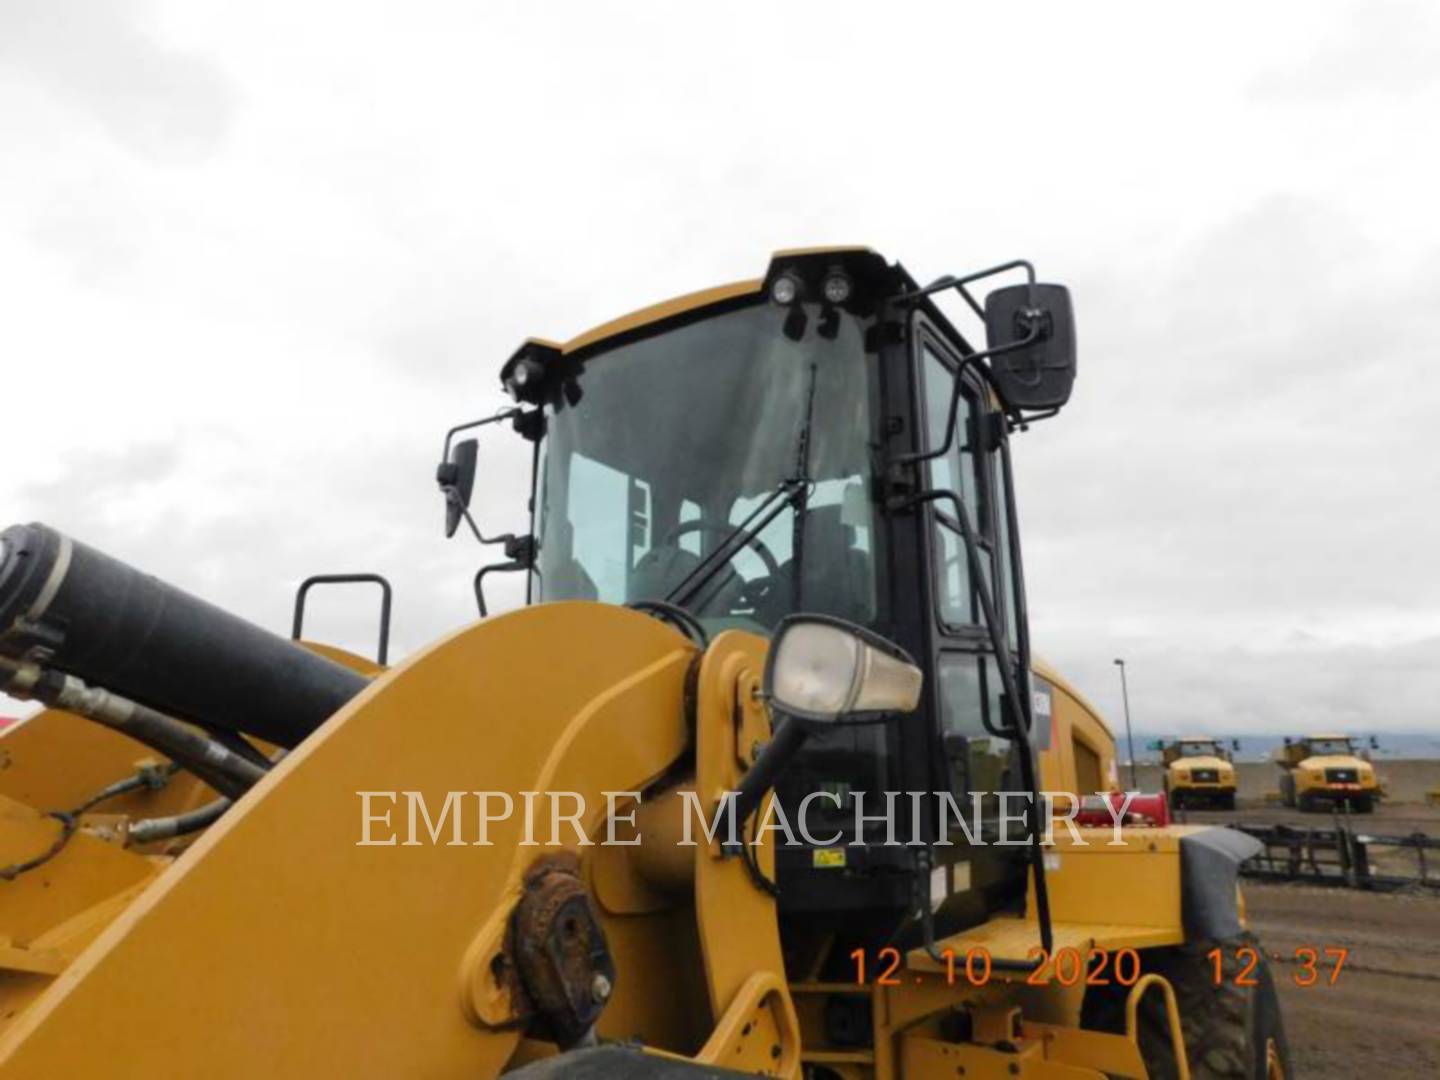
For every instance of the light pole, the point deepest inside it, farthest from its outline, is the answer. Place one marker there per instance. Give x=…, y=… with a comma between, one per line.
x=1129, y=736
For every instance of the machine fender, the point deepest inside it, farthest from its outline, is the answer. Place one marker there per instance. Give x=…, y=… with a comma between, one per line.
x=1209, y=873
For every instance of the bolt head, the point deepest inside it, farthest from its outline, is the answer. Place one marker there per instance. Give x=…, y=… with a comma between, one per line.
x=600, y=988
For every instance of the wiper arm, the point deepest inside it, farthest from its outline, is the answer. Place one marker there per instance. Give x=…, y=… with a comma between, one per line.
x=794, y=492
x=787, y=492
x=802, y=502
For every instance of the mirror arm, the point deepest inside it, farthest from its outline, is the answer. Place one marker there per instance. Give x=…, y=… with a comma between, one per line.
x=520, y=550
x=951, y=422
x=784, y=744
x=1017, y=422
x=453, y=498
x=950, y=281
x=503, y=414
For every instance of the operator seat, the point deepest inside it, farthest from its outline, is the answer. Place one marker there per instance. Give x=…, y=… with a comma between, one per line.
x=836, y=577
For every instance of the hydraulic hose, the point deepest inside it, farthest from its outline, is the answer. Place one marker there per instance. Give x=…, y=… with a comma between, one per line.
x=167, y=828
x=75, y=609
x=225, y=771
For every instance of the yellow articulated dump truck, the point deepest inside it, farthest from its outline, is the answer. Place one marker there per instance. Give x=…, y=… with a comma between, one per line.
x=1326, y=770
x=758, y=782
x=1198, y=772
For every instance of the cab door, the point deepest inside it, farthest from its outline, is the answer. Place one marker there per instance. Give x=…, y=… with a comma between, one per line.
x=975, y=754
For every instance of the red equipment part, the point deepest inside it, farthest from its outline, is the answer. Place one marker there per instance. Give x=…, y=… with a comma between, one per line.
x=1145, y=810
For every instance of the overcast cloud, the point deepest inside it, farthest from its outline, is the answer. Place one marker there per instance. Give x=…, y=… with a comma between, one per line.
x=258, y=257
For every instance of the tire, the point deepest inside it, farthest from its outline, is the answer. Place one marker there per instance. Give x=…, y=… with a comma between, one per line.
x=1226, y=802
x=1363, y=804
x=1305, y=803
x=1232, y=1032
x=1287, y=792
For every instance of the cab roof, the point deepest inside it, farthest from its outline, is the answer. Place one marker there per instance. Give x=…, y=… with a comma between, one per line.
x=680, y=305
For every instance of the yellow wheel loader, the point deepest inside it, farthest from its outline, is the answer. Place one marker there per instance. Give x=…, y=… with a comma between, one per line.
x=1198, y=772
x=762, y=780
x=1327, y=770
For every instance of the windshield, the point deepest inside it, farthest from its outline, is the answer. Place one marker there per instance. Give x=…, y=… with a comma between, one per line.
x=673, y=440
x=1339, y=747
x=1199, y=749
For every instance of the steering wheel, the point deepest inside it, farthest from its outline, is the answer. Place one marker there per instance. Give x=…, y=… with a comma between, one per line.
x=726, y=591
x=772, y=564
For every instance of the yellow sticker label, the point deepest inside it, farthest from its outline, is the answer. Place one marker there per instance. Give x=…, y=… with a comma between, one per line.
x=828, y=857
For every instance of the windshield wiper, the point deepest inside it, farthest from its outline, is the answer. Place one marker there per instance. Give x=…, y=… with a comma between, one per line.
x=793, y=492
x=787, y=492
x=802, y=503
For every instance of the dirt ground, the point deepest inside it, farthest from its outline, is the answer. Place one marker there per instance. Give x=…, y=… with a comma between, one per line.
x=1382, y=1016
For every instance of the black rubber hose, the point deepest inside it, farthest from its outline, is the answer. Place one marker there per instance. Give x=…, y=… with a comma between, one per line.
x=79, y=611
x=166, y=828
x=70, y=819
x=225, y=771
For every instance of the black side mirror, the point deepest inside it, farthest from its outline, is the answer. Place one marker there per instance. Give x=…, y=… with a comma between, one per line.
x=1234, y=744
x=456, y=477
x=1040, y=373
x=1374, y=743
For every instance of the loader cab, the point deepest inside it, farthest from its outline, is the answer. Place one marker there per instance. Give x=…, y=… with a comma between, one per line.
x=808, y=442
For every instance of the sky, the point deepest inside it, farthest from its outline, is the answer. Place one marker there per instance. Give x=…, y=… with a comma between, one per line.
x=257, y=258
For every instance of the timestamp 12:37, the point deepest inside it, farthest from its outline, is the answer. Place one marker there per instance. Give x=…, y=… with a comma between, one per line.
x=1069, y=966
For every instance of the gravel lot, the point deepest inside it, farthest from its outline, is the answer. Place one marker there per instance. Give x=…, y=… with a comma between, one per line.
x=1382, y=1016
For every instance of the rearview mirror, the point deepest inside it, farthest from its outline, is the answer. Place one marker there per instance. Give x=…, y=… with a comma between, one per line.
x=826, y=670
x=456, y=477
x=1041, y=373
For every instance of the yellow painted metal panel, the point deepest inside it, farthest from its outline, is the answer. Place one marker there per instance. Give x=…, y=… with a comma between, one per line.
x=279, y=947
x=86, y=871
x=1134, y=884
x=664, y=310
x=57, y=760
x=739, y=934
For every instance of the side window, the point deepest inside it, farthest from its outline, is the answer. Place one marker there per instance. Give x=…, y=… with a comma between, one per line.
x=968, y=685
x=977, y=761
x=607, y=547
x=956, y=470
x=959, y=470
x=969, y=695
